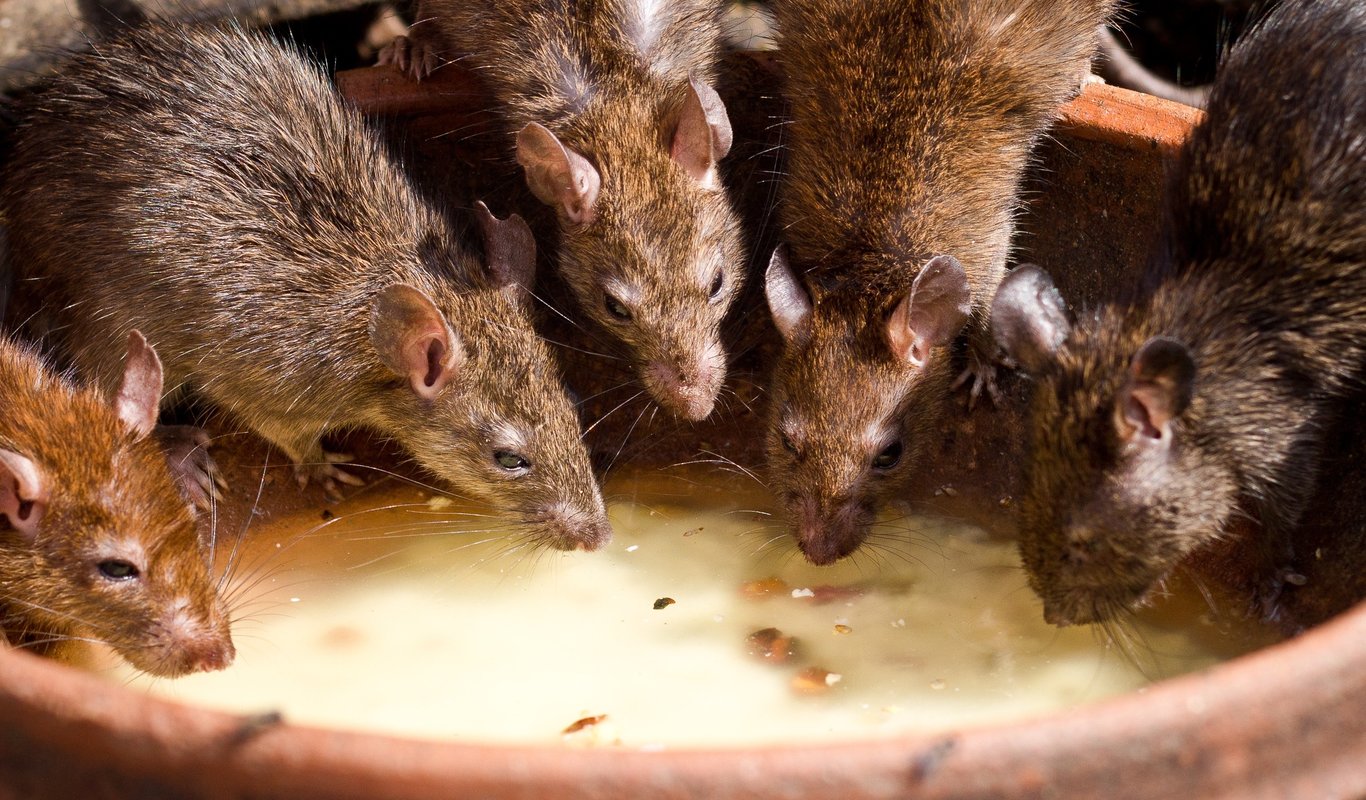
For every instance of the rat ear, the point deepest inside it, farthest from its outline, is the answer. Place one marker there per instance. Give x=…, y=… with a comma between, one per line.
x=1029, y=318
x=558, y=176
x=788, y=301
x=932, y=313
x=1161, y=380
x=703, y=135
x=23, y=493
x=509, y=248
x=412, y=338
x=139, y=396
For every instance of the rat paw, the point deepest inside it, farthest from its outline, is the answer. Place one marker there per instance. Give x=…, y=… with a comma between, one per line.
x=979, y=376
x=187, y=454
x=412, y=57
x=328, y=474
x=1266, y=597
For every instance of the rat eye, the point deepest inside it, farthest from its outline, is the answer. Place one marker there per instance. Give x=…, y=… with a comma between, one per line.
x=717, y=283
x=511, y=461
x=118, y=570
x=787, y=443
x=888, y=457
x=616, y=308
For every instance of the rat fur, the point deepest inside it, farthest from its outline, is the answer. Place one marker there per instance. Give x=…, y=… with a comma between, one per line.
x=1157, y=420
x=911, y=128
x=612, y=113
x=207, y=186
x=97, y=542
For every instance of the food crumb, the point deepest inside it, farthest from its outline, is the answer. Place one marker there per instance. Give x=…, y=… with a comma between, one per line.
x=327, y=515
x=693, y=532
x=764, y=587
x=664, y=602
x=800, y=593
x=937, y=684
x=439, y=502
x=842, y=629
x=815, y=681
x=586, y=722
x=633, y=548
x=772, y=645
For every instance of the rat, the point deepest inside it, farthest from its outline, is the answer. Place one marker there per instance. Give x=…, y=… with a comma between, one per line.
x=207, y=186
x=97, y=542
x=610, y=109
x=1206, y=394
x=911, y=127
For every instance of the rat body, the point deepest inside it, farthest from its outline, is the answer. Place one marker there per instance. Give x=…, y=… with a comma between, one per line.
x=208, y=187
x=911, y=128
x=1156, y=420
x=619, y=130
x=98, y=543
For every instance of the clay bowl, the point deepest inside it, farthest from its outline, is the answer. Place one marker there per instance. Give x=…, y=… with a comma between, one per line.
x=1286, y=721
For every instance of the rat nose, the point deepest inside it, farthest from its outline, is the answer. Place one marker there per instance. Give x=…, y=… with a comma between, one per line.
x=213, y=656
x=565, y=527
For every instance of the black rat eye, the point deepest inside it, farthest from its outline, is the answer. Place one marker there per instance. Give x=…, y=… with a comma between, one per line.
x=511, y=461
x=118, y=570
x=717, y=283
x=616, y=308
x=787, y=443
x=888, y=457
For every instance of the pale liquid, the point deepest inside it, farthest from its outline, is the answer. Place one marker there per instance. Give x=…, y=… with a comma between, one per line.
x=394, y=621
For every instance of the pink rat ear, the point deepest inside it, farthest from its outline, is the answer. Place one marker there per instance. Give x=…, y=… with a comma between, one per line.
x=412, y=338
x=23, y=493
x=558, y=176
x=788, y=301
x=509, y=248
x=932, y=313
x=1029, y=318
x=1159, y=389
x=139, y=396
x=703, y=136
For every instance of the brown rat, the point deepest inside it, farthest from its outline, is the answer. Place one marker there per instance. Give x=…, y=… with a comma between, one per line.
x=911, y=128
x=619, y=130
x=208, y=187
x=1157, y=420
x=97, y=542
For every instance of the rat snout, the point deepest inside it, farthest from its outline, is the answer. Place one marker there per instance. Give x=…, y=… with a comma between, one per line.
x=687, y=384
x=183, y=642
x=829, y=531
x=566, y=527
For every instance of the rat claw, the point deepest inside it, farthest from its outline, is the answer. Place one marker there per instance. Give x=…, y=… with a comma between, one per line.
x=979, y=375
x=329, y=475
x=412, y=57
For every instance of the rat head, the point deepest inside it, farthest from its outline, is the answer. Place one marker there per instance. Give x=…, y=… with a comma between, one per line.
x=649, y=244
x=855, y=401
x=478, y=399
x=1118, y=486
x=99, y=543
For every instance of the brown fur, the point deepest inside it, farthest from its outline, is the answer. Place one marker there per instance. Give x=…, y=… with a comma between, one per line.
x=208, y=187
x=107, y=486
x=577, y=68
x=911, y=128
x=1263, y=282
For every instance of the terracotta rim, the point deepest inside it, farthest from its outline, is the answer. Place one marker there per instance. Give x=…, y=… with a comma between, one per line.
x=1290, y=715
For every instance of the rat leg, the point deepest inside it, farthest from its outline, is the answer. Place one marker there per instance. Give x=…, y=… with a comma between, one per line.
x=311, y=461
x=187, y=453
